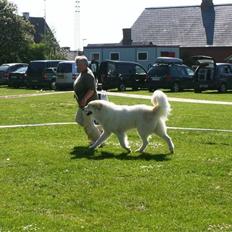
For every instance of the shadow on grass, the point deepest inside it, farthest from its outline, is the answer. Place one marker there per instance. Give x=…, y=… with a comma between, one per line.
x=84, y=152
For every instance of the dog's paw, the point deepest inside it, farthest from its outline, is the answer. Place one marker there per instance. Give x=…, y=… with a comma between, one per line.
x=128, y=149
x=139, y=150
x=92, y=147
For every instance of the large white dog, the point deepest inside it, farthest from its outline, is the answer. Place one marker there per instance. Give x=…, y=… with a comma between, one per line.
x=118, y=119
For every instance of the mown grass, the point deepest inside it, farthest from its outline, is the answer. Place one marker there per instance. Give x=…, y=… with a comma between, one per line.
x=51, y=181
x=5, y=91
x=206, y=95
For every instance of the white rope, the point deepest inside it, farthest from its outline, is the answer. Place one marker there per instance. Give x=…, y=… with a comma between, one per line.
x=74, y=123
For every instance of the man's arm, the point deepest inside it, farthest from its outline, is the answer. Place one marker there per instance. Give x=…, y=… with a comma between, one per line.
x=84, y=100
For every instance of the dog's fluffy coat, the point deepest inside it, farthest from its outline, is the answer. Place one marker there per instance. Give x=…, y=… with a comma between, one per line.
x=118, y=119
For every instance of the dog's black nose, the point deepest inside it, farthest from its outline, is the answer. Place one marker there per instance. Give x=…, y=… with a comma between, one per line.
x=89, y=113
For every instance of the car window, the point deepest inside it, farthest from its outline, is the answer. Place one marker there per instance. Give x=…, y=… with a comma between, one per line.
x=175, y=71
x=64, y=68
x=182, y=71
x=206, y=74
x=49, y=70
x=202, y=74
x=93, y=67
x=111, y=70
x=151, y=72
x=139, y=70
x=52, y=63
x=103, y=68
x=36, y=67
x=22, y=69
x=189, y=71
x=125, y=68
x=4, y=67
x=226, y=69
x=160, y=70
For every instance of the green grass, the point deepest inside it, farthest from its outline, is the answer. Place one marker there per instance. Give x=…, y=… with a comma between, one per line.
x=51, y=181
x=5, y=91
x=205, y=95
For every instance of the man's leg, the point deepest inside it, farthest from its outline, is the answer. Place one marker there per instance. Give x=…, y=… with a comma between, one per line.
x=90, y=128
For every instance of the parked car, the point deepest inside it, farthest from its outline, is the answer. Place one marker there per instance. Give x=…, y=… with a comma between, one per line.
x=210, y=75
x=66, y=74
x=121, y=75
x=18, y=77
x=170, y=73
x=50, y=74
x=37, y=75
x=6, y=69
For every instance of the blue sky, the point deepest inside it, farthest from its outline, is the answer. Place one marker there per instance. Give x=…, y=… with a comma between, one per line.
x=101, y=21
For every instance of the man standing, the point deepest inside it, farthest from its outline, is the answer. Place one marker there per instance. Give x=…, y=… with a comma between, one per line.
x=85, y=91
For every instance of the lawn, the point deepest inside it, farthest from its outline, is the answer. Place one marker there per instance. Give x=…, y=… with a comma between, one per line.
x=51, y=181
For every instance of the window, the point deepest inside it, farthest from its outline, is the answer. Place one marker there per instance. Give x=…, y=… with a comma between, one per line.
x=142, y=56
x=124, y=68
x=95, y=56
x=190, y=71
x=226, y=70
x=111, y=70
x=168, y=54
x=139, y=70
x=114, y=56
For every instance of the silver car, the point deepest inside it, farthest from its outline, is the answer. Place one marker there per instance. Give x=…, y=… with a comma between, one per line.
x=66, y=75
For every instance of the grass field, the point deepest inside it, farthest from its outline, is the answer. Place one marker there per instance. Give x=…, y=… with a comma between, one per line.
x=51, y=181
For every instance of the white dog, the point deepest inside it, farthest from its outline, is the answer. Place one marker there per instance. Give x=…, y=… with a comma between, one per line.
x=118, y=119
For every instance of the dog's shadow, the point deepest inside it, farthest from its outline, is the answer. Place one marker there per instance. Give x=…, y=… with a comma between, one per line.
x=81, y=152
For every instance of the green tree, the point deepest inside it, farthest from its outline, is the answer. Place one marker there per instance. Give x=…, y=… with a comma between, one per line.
x=52, y=48
x=16, y=34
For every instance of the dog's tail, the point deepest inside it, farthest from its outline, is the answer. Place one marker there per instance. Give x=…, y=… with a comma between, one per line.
x=160, y=101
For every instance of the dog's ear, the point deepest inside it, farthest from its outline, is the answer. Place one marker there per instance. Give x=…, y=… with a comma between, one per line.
x=98, y=106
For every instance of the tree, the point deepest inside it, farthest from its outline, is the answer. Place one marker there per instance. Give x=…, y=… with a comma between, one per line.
x=52, y=48
x=16, y=34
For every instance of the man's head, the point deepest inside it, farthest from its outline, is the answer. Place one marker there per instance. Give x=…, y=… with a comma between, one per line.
x=82, y=63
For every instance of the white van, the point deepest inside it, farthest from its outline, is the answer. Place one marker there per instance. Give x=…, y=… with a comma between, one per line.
x=66, y=74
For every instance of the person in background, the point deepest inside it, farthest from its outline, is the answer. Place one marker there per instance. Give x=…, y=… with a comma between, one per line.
x=85, y=90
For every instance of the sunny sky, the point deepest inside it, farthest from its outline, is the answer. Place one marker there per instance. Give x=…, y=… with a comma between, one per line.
x=101, y=20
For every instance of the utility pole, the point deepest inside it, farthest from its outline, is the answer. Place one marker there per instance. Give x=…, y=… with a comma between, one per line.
x=77, y=25
x=45, y=12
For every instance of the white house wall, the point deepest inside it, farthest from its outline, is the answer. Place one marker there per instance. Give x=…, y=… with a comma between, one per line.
x=131, y=53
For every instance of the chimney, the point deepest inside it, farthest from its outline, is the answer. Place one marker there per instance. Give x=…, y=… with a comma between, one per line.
x=205, y=4
x=126, y=36
x=26, y=15
x=208, y=20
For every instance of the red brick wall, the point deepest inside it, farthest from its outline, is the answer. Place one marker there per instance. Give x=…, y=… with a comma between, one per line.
x=218, y=53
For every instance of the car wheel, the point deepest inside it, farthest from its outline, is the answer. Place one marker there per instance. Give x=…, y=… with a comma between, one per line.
x=150, y=89
x=222, y=88
x=121, y=87
x=197, y=90
x=175, y=87
x=135, y=88
x=53, y=85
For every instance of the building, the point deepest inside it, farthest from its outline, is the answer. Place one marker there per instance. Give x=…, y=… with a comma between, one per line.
x=204, y=29
x=145, y=53
x=181, y=31
x=41, y=28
